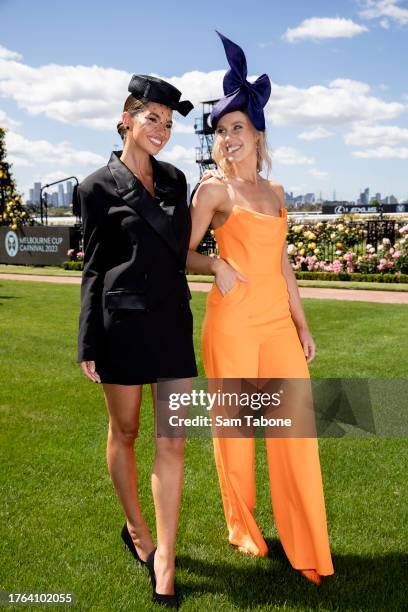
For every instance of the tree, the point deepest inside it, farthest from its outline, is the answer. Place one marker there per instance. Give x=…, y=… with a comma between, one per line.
x=12, y=211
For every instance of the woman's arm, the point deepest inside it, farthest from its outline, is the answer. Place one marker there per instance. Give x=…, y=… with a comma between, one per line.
x=208, y=198
x=296, y=308
x=90, y=329
x=295, y=303
x=203, y=208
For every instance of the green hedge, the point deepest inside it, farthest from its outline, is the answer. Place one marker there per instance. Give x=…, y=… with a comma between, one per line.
x=73, y=265
x=354, y=276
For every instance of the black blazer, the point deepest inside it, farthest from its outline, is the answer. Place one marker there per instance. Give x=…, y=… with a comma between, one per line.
x=135, y=245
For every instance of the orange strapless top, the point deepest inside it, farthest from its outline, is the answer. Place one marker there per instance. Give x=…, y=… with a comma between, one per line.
x=252, y=242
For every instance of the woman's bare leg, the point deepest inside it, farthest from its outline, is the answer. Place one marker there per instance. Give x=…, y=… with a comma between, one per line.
x=123, y=403
x=167, y=481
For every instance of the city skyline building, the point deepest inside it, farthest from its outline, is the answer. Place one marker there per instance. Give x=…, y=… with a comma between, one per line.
x=37, y=191
x=58, y=199
x=61, y=195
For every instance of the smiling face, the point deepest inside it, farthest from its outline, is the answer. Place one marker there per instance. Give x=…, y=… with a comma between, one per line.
x=150, y=128
x=236, y=137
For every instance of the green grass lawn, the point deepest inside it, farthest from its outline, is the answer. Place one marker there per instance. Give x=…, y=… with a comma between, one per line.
x=60, y=521
x=38, y=270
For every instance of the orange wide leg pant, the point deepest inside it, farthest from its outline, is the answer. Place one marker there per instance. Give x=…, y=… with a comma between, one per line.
x=294, y=465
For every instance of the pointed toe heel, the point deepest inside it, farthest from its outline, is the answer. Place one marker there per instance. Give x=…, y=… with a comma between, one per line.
x=168, y=601
x=128, y=543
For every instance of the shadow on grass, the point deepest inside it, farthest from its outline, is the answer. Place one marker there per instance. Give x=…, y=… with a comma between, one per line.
x=359, y=582
x=8, y=297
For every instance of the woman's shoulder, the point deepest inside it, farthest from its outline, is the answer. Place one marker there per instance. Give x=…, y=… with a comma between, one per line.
x=94, y=181
x=274, y=184
x=277, y=188
x=212, y=188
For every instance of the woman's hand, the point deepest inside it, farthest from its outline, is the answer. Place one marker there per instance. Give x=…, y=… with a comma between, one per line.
x=88, y=368
x=309, y=347
x=225, y=276
x=212, y=174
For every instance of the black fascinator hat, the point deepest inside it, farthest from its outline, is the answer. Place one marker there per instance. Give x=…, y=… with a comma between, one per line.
x=152, y=88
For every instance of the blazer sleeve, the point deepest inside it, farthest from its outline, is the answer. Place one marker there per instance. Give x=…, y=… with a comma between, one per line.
x=91, y=330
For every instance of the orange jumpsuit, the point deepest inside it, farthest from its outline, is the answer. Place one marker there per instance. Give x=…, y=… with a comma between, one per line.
x=249, y=332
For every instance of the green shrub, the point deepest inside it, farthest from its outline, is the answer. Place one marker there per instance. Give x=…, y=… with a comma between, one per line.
x=73, y=265
x=354, y=276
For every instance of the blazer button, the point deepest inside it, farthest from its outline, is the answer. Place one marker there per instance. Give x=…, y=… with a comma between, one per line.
x=181, y=271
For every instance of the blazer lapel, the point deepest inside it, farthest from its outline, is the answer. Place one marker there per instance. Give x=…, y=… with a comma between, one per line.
x=156, y=211
x=172, y=192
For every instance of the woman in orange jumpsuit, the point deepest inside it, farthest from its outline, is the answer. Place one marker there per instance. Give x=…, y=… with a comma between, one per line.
x=255, y=326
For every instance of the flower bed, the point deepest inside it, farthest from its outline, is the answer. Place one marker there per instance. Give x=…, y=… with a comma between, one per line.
x=76, y=260
x=308, y=245
x=354, y=259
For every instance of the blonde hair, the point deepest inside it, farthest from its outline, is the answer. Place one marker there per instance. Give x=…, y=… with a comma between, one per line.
x=132, y=106
x=262, y=155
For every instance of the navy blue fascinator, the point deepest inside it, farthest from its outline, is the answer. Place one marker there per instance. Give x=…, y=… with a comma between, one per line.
x=240, y=94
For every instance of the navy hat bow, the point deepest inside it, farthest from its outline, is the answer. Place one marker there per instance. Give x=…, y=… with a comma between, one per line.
x=239, y=93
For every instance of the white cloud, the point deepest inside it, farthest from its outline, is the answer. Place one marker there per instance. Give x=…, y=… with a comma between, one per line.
x=289, y=156
x=19, y=162
x=385, y=10
x=376, y=135
x=78, y=95
x=297, y=188
x=384, y=152
x=57, y=175
x=198, y=86
x=25, y=152
x=317, y=28
x=316, y=134
x=341, y=102
x=182, y=128
x=319, y=174
x=179, y=155
x=8, y=122
x=91, y=96
x=9, y=55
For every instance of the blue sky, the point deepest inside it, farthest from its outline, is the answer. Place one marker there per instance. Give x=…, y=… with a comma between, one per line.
x=337, y=117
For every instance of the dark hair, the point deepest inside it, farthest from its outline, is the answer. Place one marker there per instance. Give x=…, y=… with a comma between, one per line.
x=132, y=106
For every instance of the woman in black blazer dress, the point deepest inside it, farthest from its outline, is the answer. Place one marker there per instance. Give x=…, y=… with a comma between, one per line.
x=135, y=323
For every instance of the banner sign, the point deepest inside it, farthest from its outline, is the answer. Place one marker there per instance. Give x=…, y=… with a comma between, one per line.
x=340, y=209
x=37, y=245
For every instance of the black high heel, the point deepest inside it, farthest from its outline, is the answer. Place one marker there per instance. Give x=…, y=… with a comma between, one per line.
x=127, y=538
x=169, y=601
